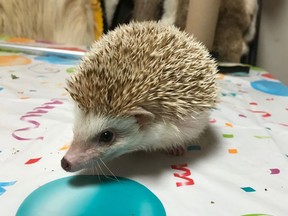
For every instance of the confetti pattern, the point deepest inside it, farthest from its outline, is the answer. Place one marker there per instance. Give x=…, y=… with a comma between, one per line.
x=228, y=135
x=274, y=171
x=64, y=147
x=3, y=185
x=14, y=60
x=57, y=60
x=263, y=137
x=264, y=114
x=32, y=160
x=256, y=215
x=248, y=189
x=229, y=125
x=233, y=151
x=194, y=148
x=240, y=159
x=243, y=116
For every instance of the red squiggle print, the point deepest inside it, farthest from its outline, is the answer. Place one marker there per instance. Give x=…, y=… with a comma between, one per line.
x=184, y=175
x=37, y=112
x=279, y=123
x=35, y=125
x=265, y=114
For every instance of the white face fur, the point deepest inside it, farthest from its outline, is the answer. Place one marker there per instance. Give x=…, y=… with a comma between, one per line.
x=103, y=138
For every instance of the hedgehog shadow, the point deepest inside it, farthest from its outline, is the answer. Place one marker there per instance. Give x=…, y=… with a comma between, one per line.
x=154, y=163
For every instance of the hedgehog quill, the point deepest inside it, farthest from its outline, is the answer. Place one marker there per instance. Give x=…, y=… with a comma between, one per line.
x=143, y=86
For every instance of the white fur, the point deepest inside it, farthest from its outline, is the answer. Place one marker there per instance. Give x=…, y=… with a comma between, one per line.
x=252, y=10
x=156, y=136
x=110, y=7
x=168, y=135
x=170, y=12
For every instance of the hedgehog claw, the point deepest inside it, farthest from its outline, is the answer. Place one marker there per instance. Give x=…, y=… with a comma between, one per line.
x=177, y=151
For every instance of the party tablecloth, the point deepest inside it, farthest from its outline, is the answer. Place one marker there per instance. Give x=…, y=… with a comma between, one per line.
x=239, y=166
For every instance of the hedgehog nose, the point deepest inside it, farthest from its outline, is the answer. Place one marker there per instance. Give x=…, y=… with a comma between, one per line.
x=65, y=164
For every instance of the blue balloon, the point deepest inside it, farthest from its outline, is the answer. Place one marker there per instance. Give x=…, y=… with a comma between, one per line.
x=270, y=87
x=92, y=195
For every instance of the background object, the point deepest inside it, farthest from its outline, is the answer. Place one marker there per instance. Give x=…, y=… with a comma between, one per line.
x=273, y=34
x=202, y=19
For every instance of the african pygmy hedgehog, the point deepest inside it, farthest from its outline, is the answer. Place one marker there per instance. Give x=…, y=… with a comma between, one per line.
x=143, y=86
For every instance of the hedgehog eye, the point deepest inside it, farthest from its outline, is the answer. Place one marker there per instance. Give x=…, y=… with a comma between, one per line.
x=106, y=137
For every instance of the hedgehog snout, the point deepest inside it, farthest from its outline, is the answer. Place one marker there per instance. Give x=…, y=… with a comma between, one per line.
x=66, y=165
x=74, y=159
x=69, y=165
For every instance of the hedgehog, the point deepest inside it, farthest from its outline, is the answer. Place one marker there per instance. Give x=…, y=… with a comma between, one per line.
x=143, y=86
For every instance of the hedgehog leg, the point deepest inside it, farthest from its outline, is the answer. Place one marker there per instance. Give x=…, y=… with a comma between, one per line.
x=177, y=151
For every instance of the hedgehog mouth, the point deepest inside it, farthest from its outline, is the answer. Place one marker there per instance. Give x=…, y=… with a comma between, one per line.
x=94, y=164
x=78, y=158
x=92, y=159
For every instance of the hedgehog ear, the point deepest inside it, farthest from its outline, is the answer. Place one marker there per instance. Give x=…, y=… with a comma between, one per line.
x=141, y=115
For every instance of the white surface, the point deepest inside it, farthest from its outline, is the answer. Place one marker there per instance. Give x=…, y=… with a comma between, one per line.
x=273, y=43
x=218, y=176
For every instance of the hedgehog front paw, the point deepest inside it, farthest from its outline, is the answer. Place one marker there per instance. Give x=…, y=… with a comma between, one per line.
x=177, y=151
